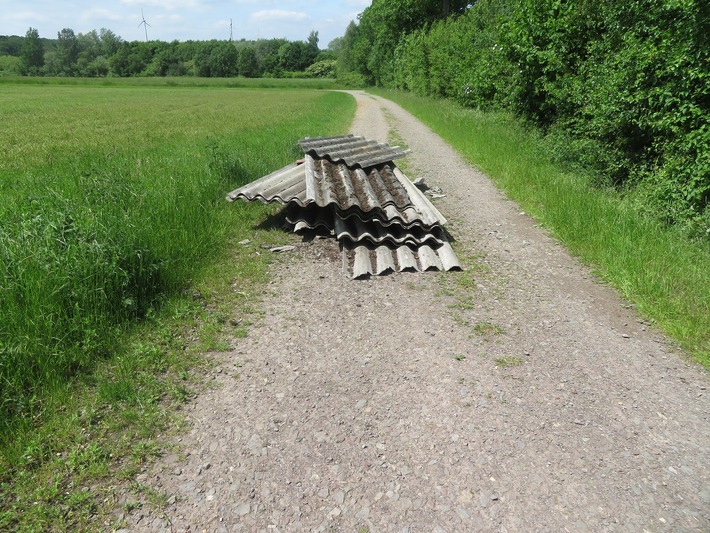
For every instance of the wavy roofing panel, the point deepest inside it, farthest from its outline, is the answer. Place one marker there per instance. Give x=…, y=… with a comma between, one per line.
x=360, y=261
x=430, y=215
x=335, y=183
x=384, y=193
x=352, y=150
x=312, y=216
x=285, y=185
x=354, y=230
x=383, y=222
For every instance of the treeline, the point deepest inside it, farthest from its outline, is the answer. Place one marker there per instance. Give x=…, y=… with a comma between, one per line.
x=103, y=53
x=622, y=89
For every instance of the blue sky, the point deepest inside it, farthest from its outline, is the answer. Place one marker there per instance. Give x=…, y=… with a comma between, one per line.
x=184, y=19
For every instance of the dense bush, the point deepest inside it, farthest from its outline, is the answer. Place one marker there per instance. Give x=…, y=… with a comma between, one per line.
x=621, y=88
x=10, y=65
x=323, y=69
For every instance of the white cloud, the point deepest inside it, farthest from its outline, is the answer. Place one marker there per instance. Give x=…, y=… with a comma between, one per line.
x=170, y=5
x=278, y=14
x=23, y=16
x=98, y=13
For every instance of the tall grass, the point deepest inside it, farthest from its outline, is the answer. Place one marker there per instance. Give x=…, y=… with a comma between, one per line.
x=113, y=197
x=664, y=274
x=178, y=81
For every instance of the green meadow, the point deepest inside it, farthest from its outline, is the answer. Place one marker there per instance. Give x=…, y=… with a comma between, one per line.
x=180, y=81
x=113, y=218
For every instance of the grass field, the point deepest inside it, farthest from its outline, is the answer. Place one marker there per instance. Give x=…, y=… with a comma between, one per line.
x=181, y=81
x=113, y=218
x=658, y=269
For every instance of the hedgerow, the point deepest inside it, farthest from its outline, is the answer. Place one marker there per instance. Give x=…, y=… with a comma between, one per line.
x=622, y=89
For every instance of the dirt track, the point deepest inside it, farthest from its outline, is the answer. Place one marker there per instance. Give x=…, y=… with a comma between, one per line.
x=539, y=403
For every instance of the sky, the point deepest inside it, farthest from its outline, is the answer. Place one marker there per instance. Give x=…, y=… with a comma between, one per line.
x=184, y=20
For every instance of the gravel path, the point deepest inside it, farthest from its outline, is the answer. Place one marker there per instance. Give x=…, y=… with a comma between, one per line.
x=519, y=395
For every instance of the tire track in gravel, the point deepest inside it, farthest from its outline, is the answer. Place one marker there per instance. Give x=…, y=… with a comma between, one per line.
x=519, y=395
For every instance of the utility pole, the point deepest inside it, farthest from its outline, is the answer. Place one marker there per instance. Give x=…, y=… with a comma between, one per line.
x=230, y=30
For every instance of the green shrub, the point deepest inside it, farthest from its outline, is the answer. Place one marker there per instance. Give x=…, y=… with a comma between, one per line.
x=620, y=87
x=323, y=69
x=10, y=65
x=352, y=80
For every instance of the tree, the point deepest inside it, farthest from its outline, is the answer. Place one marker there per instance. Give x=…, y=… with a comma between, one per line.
x=223, y=60
x=295, y=56
x=247, y=63
x=290, y=56
x=345, y=55
x=384, y=23
x=313, y=40
x=89, y=49
x=311, y=50
x=67, y=51
x=11, y=45
x=110, y=42
x=323, y=69
x=119, y=60
x=167, y=61
x=32, y=53
x=267, y=55
x=202, y=61
x=336, y=45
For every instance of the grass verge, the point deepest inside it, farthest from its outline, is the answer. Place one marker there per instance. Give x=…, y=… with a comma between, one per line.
x=664, y=274
x=179, y=81
x=120, y=268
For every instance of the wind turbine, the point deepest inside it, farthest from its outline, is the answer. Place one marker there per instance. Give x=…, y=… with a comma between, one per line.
x=145, y=25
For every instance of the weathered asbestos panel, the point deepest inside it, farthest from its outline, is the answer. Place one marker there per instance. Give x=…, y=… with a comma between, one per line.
x=354, y=151
x=382, y=193
x=360, y=261
x=356, y=231
x=284, y=185
x=383, y=222
x=430, y=215
x=313, y=215
x=335, y=183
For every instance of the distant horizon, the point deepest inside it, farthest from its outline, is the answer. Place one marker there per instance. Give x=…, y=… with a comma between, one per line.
x=185, y=20
x=321, y=45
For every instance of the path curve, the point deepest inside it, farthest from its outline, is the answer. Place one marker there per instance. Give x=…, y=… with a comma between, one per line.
x=519, y=395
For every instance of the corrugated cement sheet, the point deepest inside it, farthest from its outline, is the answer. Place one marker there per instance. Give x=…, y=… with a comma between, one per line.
x=354, y=151
x=288, y=184
x=353, y=230
x=384, y=193
x=350, y=187
x=361, y=261
x=312, y=216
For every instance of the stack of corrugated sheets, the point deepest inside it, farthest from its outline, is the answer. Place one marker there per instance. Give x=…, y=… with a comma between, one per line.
x=351, y=187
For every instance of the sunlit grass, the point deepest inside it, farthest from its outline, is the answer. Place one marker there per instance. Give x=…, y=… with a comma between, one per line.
x=113, y=218
x=666, y=276
x=181, y=81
